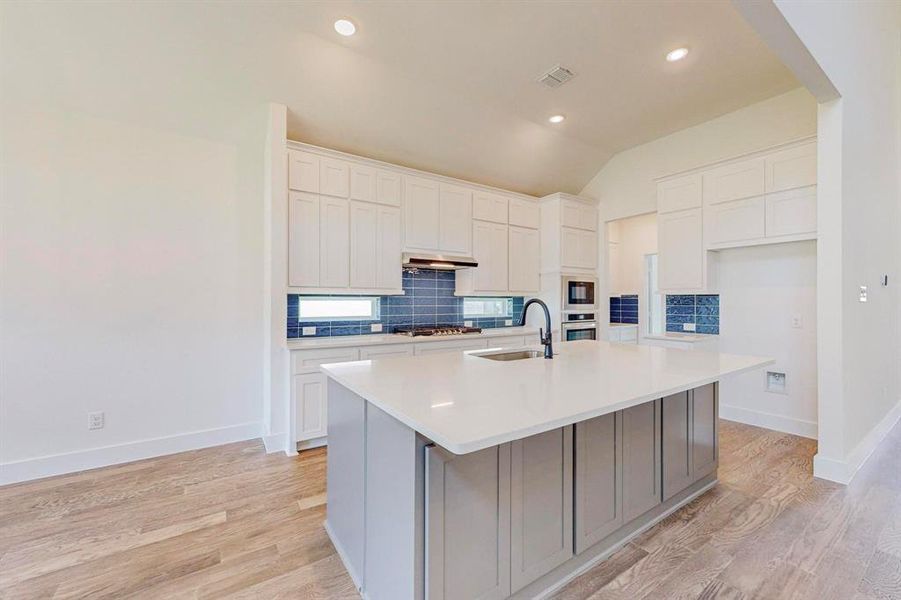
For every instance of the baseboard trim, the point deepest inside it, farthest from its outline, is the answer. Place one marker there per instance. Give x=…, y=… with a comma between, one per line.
x=82, y=460
x=781, y=423
x=274, y=442
x=844, y=471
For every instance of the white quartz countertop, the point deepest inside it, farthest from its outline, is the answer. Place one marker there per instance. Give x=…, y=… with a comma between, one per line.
x=466, y=403
x=377, y=339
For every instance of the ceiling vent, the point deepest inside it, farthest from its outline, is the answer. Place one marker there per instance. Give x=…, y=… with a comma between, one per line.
x=556, y=77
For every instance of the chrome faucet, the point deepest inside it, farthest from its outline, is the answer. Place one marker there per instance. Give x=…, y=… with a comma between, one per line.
x=544, y=334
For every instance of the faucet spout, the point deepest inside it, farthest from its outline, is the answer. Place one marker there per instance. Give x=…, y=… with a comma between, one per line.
x=545, y=334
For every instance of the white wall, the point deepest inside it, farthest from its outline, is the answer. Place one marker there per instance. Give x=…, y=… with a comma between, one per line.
x=131, y=284
x=761, y=290
x=858, y=47
x=633, y=237
x=625, y=186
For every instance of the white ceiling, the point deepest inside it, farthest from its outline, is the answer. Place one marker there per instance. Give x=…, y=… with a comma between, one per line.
x=442, y=86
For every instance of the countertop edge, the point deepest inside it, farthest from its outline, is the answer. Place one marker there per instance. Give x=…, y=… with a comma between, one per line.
x=468, y=447
x=383, y=339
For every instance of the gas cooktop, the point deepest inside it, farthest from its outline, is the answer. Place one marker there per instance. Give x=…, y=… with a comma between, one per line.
x=436, y=330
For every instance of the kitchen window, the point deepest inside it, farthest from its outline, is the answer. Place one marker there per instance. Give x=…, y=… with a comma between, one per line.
x=336, y=308
x=487, y=307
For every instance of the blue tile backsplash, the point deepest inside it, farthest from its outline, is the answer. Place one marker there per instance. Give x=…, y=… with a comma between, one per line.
x=703, y=310
x=624, y=309
x=429, y=300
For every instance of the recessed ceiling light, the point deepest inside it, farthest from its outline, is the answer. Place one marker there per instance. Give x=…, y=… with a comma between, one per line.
x=345, y=27
x=557, y=119
x=677, y=54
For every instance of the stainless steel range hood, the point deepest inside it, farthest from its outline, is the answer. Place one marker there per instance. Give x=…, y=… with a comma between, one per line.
x=426, y=260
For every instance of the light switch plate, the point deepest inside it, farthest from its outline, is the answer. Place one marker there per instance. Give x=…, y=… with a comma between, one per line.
x=797, y=321
x=863, y=293
x=308, y=331
x=688, y=327
x=376, y=327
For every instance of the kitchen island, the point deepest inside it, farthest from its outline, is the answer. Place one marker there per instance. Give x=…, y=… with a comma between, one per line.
x=461, y=476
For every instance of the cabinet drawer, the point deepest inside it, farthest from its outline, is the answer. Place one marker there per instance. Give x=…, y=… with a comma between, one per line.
x=508, y=341
x=489, y=207
x=791, y=213
x=679, y=193
x=524, y=213
x=734, y=181
x=309, y=360
x=448, y=346
x=370, y=352
x=735, y=221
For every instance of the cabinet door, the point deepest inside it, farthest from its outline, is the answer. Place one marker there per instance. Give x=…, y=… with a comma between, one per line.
x=680, y=250
x=679, y=193
x=524, y=259
x=793, y=212
x=598, y=479
x=792, y=168
x=579, y=215
x=677, y=474
x=388, y=248
x=455, y=220
x=421, y=214
x=308, y=391
x=704, y=429
x=641, y=459
x=540, y=505
x=489, y=246
x=588, y=249
x=364, y=257
x=571, y=253
x=334, y=177
x=734, y=181
x=334, y=242
x=303, y=239
x=489, y=207
x=362, y=183
x=467, y=524
x=524, y=213
x=388, y=187
x=303, y=171
x=735, y=221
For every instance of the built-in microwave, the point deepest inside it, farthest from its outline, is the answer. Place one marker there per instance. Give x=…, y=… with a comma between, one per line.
x=580, y=292
x=579, y=326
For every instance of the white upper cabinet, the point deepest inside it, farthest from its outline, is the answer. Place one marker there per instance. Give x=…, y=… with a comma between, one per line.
x=303, y=239
x=334, y=242
x=421, y=213
x=487, y=206
x=455, y=219
x=579, y=215
x=579, y=248
x=334, y=177
x=375, y=247
x=681, y=256
x=388, y=187
x=679, y=193
x=489, y=242
x=524, y=213
x=303, y=171
x=524, y=259
x=735, y=181
x=793, y=212
x=735, y=221
x=792, y=168
x=362, y=183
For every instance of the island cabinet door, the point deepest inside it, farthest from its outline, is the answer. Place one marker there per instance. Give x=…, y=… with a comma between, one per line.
x=704, y=445
x=541, y=505
x=641, y=459
x=598, y=479
x=677, y=472
x=467, y=524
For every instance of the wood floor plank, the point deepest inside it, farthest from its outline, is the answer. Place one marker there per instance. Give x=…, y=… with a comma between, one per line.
x=601, y=574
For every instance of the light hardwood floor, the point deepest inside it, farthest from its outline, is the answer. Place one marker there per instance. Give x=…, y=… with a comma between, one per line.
x=235, y=522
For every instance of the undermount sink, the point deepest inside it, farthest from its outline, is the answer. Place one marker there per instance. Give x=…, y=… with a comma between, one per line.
x=513, y=355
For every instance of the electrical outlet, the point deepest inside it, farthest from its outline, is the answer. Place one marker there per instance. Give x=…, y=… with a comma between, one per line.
x=375, y=327
x=308, y=331
x=467, y=323
x=508, y=322
x=797, y=321
x=95, y=420
x=688, y=327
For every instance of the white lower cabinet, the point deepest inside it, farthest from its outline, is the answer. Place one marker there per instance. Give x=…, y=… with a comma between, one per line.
x=623, y=334
x=541, y=507
x=467, y=524
x=309, y=389
x=386, y=351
